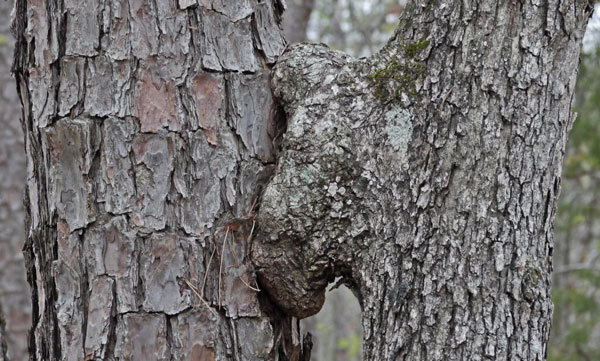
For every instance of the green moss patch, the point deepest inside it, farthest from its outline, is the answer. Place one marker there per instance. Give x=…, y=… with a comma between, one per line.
x=399, y=76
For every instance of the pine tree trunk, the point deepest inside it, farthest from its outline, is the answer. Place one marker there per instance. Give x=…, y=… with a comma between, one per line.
x=150, y=129
x=427, y=176
x=14, y=290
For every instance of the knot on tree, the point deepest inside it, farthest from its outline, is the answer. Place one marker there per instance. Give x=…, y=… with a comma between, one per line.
x=319, y=211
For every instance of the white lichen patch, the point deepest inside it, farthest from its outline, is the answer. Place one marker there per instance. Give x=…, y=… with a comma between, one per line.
x=398, y=129
x=297, y=122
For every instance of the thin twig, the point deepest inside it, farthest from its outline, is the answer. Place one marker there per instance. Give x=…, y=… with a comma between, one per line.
x=252, y=207
x=247, y=285
x=577, y=267
x=221, y=268
x=208, y=268
x=446, y=97
x=251, y=231
x=232, y=247
x=195, y=290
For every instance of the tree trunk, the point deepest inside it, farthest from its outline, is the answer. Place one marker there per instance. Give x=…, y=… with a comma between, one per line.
x=295, y=20
x=150, y=129
x=427, y=176
x=14, y=291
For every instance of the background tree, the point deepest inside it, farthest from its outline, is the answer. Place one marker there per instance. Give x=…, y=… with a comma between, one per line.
x=359, y=28
x=14, y=290
x=130, y=175
x=576, y=286
x=3, y=347
x=336, y=330
x=295, y=19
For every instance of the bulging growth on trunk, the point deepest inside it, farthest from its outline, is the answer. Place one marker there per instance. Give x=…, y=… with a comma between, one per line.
x=427, y=178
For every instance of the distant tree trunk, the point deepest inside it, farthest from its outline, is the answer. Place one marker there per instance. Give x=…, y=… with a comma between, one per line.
x=150, y=129
x=339, y=326
x=426, y=177
x=14, y=290
x=295, y=20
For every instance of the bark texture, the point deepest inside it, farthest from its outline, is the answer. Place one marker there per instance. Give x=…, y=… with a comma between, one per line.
x=14, y=290
x=150, y=128
x=427, y=177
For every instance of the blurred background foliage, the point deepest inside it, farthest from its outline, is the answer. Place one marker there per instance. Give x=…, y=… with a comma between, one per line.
x=576, y=288
x=360, y=28
x=336, y=329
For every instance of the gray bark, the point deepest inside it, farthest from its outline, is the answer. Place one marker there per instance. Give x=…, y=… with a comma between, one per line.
x=427, y=176
x=150, y=129
x=14, y=290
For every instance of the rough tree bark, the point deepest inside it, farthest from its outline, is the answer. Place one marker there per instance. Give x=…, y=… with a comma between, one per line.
x=14, y=290
x=425, y=176
x=150, y=128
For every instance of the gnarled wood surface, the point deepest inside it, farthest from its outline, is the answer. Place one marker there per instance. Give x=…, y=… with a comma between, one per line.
x=427, y=177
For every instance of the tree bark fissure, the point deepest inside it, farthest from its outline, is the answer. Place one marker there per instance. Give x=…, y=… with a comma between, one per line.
x=428, y=177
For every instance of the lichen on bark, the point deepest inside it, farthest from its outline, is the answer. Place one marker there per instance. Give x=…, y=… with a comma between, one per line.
x=316, y=205
x=396, y=78
x=427, y=178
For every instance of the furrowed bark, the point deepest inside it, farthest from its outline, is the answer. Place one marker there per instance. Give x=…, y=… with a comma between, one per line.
x=150, y=129
x=427, y=176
